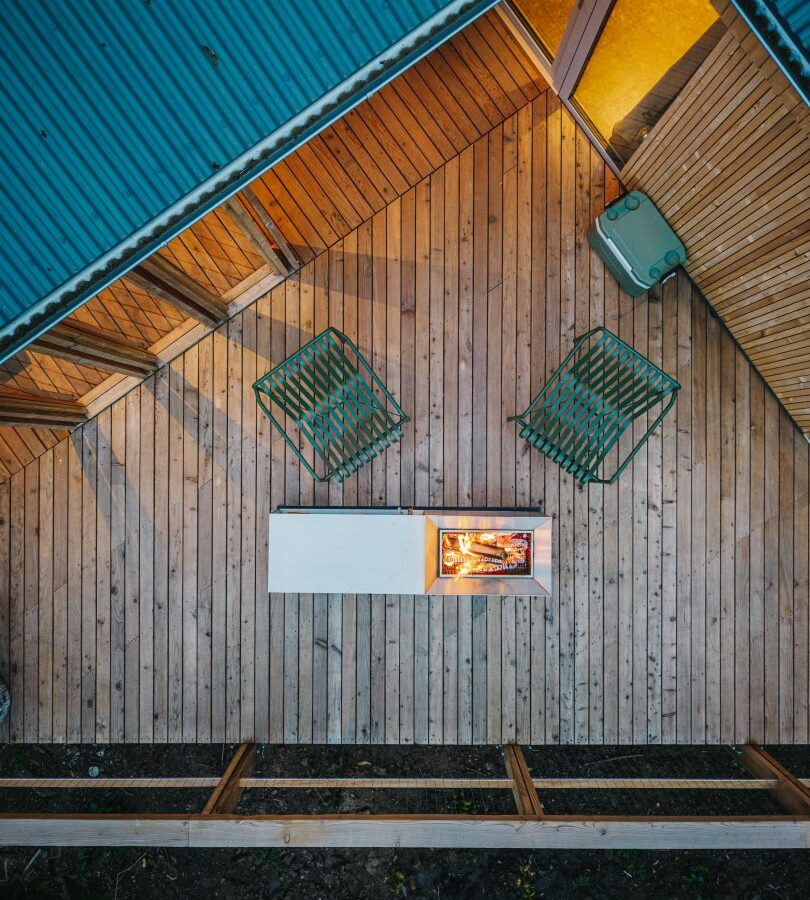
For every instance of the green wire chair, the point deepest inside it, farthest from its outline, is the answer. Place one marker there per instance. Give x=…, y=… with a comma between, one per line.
x=591, y=400
x=337, y=403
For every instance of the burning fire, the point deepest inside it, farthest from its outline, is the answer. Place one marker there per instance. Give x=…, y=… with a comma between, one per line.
x=485, y=553
x=465, y=542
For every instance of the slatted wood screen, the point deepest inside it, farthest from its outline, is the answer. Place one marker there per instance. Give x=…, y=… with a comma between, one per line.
x=729, y=166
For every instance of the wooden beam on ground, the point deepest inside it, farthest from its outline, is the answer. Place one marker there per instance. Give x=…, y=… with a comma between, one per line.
x=399, y=784
x=226, y=794
x=256, y=234
x=163, y=279
x=526, y=797
x=515, y=832
x=790, y=792
x=23, y=410
x=140, y=783
x=90, y=346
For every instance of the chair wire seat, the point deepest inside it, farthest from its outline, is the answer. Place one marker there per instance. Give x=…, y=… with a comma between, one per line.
x=602, y=386
x=336, y=401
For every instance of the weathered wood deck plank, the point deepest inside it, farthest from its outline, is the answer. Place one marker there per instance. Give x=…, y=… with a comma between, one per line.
x=680, y=599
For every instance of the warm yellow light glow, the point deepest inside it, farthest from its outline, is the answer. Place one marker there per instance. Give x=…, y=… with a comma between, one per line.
x=547, y=18
x=641, y=42
x=487, y=553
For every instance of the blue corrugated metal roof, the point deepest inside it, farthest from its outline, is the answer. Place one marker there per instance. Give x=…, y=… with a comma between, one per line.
x=125, y=120
x=796, y=14
x=783, y=26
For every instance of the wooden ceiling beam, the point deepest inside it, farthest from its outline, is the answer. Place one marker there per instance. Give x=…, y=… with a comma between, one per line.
x=21, y=410
x=163, y=279
x=273, y=229
x=253, y=219
x=90, y=346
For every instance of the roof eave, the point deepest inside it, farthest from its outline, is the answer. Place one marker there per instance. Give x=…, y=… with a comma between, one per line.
x=229, y=180
x=784, y=47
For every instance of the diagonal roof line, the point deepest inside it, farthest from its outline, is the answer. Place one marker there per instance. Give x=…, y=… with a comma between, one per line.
x=236, y=174
x=782, y=27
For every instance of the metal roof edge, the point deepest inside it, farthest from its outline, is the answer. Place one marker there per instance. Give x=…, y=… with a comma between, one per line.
x=783, y=46
x=229, y=180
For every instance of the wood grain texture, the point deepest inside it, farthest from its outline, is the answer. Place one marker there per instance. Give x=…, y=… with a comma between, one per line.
x=651, y=576
x=309, y=201
x=729, y=167
x=506, y=832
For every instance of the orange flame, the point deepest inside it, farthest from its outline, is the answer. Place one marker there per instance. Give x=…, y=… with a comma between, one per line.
x=460, y=559
x=465, y=542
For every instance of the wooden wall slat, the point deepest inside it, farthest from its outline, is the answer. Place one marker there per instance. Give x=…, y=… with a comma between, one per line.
x=5, y=589
x=728, y=165
x=16, y=560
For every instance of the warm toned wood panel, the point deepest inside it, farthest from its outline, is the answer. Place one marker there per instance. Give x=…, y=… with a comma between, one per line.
x=680, y=594
x=91, y=346
x=36, y=411
x=125, y=310
x=214, y=252
x=728, y=164
x=315, y=197
x=404, y=132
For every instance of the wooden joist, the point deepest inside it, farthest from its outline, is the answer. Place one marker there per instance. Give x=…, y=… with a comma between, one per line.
x=400, y=784
x=282, y=260
x=273, y=230
x=526, y=798
x=89, y=346
x=105, y=784
x=226, y=794
x=39, y=411
x=793, y=795
x=552, y=832
x=162, y=279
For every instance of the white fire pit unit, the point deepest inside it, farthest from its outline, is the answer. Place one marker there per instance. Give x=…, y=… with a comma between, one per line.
x=399, y=551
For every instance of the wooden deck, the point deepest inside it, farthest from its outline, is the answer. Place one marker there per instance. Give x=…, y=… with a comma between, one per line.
x=133, y=553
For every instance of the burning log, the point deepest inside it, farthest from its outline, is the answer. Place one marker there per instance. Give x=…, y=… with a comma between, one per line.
x=472, y=547
x=482, y=553
x=491, y=551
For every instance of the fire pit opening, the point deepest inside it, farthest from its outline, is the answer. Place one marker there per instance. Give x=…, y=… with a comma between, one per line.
x=485, y=554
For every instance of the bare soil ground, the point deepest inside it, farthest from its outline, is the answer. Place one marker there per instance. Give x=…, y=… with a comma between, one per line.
x=126, y=872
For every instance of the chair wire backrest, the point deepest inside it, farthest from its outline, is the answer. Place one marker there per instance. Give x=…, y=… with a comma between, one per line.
x=337, y=403
x=602, y=386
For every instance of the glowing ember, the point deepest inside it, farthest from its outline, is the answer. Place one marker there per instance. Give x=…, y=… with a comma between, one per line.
x=485, y=554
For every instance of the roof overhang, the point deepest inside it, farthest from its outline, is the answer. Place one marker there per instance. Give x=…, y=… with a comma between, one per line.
x=780, y=27
x=236, y=174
